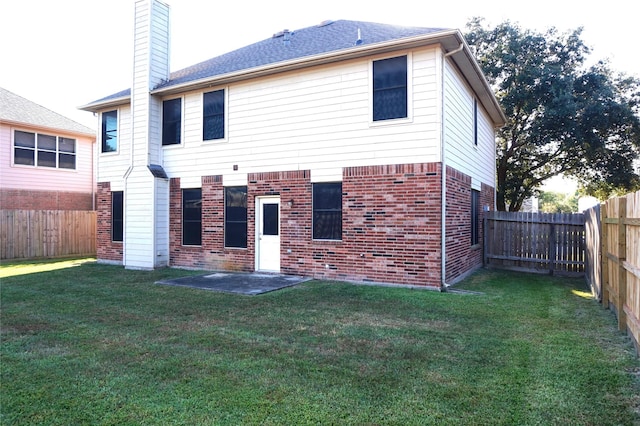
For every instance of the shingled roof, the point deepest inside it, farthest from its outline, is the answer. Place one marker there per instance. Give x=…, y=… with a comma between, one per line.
x=18, y=110
x=328, y=36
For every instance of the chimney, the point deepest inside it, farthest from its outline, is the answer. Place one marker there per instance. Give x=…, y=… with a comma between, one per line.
x=146, y=204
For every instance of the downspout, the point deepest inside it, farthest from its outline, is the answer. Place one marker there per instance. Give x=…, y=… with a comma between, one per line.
x=125, y=179
x=443, y=185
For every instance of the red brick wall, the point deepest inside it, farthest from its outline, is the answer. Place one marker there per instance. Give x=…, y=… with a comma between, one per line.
x=391, y=226
x=26, y=199
x=106, y=249
x=461, y=256
x=391, y=230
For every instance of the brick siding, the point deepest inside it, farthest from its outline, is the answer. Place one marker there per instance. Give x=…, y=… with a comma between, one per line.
x=27, y=199
x=106, y=249
x=391, y=226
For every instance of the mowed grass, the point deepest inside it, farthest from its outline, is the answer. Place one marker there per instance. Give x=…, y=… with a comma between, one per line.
x=84, y=343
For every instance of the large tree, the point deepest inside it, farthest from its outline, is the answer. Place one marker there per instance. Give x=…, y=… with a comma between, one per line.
x=562, y=117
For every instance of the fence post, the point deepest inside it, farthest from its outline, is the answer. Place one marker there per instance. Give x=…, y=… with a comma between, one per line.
x=552, y=248
x=622, y=257
x=604, y=253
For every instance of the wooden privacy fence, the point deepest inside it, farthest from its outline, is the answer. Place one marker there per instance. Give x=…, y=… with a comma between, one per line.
x=28, y=234
x=535, y=242
x=620, y=252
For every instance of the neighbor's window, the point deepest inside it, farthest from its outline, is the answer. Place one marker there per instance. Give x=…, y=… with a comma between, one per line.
x=475, y=217
x=42, y=150
x=110, y=131
x=192, y=217
x=117, y=215
x=327, y=211
x=172, y=121
x=213, y=115
x=390, y=88
x=235, y=216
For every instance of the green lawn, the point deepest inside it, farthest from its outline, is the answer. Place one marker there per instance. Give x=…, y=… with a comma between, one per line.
x=84, y=343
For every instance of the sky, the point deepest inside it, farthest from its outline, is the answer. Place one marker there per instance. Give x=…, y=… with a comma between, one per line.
x=63, y=54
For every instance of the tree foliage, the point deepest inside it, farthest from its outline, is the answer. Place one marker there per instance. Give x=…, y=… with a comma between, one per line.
x=562, y=117
x=557, y=202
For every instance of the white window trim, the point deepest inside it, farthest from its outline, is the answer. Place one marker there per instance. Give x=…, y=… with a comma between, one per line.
x=395, y=121
x=117, y=151
x=35, y=157
x=226, y=116
x=182, y=120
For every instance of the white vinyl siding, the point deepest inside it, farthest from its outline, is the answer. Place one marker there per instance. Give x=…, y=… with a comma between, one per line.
x=460, y=150
x=317, y=119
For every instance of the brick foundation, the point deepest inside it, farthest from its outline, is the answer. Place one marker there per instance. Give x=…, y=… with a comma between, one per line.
x=27, y=199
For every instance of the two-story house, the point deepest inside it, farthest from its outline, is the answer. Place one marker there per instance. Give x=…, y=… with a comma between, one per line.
x=46, y=159
x=348, y=150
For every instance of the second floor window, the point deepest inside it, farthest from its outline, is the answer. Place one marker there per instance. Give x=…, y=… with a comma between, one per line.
x=172, y=121
x=390, y=88
x=213, y=115
x=110, y=131
x=41, y=150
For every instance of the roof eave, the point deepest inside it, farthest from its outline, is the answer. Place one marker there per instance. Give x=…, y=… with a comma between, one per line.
x=16, y=123
x=98, y=106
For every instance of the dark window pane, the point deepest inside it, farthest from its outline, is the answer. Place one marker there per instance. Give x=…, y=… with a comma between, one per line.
x=270, y=219
x=171, y=121
x=24, y=156
x=110, y=131
x=117, y=215
x=67, y=161
x=213, y=115
x=235, y=216
x=66, y=145
x=46, y=159
x=47, y=142
x=475, y=219
x=327, y=211
x=24, y=139
x=192, y=217
x=390, y=88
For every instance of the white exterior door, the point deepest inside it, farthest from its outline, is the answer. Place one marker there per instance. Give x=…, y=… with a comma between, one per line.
x=268, y=234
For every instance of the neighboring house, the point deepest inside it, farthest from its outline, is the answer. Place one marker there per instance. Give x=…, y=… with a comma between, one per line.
x=348, y=150
x=46, y=159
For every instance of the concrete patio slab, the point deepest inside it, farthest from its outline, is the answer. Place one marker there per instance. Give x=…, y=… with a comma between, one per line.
x=237, y=282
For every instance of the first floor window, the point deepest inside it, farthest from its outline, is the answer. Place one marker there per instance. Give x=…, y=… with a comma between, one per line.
x=475, y=217
x=42, y=150
x=172, y=121
x=192, y=217
x=235, y=216
x=117, y=215
x=327, y=211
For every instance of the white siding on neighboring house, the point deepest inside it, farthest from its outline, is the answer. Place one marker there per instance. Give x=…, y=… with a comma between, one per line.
x=317, y=119
x=25, y=177
x=460, y=151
